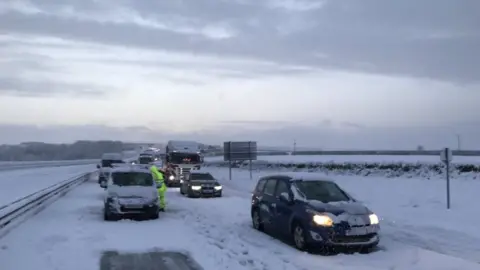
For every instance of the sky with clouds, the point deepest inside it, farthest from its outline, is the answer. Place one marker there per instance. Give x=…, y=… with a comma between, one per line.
x=336, y=74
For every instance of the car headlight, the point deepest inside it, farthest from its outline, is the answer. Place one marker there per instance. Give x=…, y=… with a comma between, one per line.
x=323, y=220
x=218, y=187
x=171, y=177
x=113, y=199
x=196, y=187
x=374, y=220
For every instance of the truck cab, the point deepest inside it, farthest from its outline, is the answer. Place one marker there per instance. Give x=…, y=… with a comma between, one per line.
x=181, y=157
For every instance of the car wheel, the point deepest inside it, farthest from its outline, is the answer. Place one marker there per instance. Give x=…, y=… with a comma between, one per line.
x=107, y=216
x=256, y=220
x=299, y=237
x=155, y=216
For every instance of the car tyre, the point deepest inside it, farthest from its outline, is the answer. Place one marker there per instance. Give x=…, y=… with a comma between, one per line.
x=299, y=237
x=257, y=221
x=156, y=215
x=107, y=216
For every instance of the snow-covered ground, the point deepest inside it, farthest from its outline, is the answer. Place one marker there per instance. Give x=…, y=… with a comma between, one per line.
x=19, y=183
x=418, y=233
x=359, y=159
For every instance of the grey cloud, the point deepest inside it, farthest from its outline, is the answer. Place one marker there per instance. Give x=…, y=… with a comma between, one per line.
x=12, y=86
x=394, y=37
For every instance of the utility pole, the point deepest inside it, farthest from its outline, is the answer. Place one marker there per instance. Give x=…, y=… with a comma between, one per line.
x=459, y=142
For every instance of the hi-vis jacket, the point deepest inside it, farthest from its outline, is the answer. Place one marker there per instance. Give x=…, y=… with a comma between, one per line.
x=157, y=175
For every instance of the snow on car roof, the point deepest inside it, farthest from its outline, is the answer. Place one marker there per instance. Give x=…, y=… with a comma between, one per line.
x=199, y=171
x=131, y=168
x=303, y=176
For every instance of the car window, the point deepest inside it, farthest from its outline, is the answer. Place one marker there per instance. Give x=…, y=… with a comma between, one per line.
x=132, y=179
x=270, y=187
x=281, y=188
x=260, y=185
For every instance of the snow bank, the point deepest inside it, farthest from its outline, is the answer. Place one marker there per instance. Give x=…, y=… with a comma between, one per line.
x=388, y=169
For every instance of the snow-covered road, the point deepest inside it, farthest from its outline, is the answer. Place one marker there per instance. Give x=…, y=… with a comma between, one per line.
x=71, y=234
x=19, y=183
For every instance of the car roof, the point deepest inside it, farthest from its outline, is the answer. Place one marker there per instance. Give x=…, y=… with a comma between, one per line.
x=200, y=171
x=140, y=168
x=300, y=176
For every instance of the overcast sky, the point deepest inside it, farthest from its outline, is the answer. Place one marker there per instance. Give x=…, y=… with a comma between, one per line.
x=330, y=74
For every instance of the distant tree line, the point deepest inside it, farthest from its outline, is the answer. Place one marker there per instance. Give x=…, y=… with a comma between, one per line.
x=38, y=151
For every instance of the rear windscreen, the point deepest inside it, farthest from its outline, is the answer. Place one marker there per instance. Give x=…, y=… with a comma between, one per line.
x=132, y=179
x=109, y=162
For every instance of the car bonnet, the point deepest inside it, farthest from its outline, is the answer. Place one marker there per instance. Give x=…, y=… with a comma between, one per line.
x=337, y=208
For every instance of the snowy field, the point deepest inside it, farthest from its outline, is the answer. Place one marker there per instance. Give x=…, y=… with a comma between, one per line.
x=359, y=159
x=418, y=233
x=20, y=183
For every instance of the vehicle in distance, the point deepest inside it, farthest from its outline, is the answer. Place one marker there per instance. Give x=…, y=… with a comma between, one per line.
x=131, y=191
x=110, y=158
x=199, y=183
x=313, y=211
x=145, y=158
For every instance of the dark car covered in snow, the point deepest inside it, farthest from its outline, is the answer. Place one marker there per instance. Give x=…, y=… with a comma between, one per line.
x=200, y=183
x=313, y=211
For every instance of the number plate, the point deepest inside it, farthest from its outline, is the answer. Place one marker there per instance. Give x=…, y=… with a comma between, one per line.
x=207, y=191
x=362, y=230
x=133, y=206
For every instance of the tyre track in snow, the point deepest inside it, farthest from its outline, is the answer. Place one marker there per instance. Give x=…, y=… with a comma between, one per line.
x=448, y=242
x=234, y=237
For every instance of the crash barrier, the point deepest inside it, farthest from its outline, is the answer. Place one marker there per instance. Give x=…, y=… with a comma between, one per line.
x=14, y=213
x=15, y=165
x=385, y=169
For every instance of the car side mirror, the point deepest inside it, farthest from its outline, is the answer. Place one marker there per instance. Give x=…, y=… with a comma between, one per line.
x=98, y=166
x=159, y=185
x=285, y=197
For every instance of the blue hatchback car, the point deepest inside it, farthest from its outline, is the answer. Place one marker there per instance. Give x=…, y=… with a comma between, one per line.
x=313, y=211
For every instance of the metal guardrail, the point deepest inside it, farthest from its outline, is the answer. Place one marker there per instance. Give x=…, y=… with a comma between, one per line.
x=10, y=166
x=14, y=213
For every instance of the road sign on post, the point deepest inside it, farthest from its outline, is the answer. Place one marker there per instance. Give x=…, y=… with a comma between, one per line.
x=239, y=151
x=446, y=156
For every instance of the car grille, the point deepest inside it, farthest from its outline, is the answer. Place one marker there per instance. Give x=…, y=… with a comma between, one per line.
x=352, y=239
x=182, y=172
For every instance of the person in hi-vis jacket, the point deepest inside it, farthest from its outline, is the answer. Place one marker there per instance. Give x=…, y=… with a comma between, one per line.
x=158, y=176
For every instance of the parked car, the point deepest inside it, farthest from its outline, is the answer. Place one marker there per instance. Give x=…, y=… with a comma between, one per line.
x=313, y=211
x=131, y=191
x=199, y=183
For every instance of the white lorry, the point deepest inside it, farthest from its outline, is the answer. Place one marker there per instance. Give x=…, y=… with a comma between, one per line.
x=180, y=158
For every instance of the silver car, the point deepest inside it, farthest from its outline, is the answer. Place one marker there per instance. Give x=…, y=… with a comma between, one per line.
x=200, y=183
x=131, y=191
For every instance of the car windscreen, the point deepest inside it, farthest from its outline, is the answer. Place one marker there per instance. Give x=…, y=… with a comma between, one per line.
x=184, y=158
x=109, y=162
x=145, y=159
x=201, y=176
x=132, y=179
x=323, y=191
